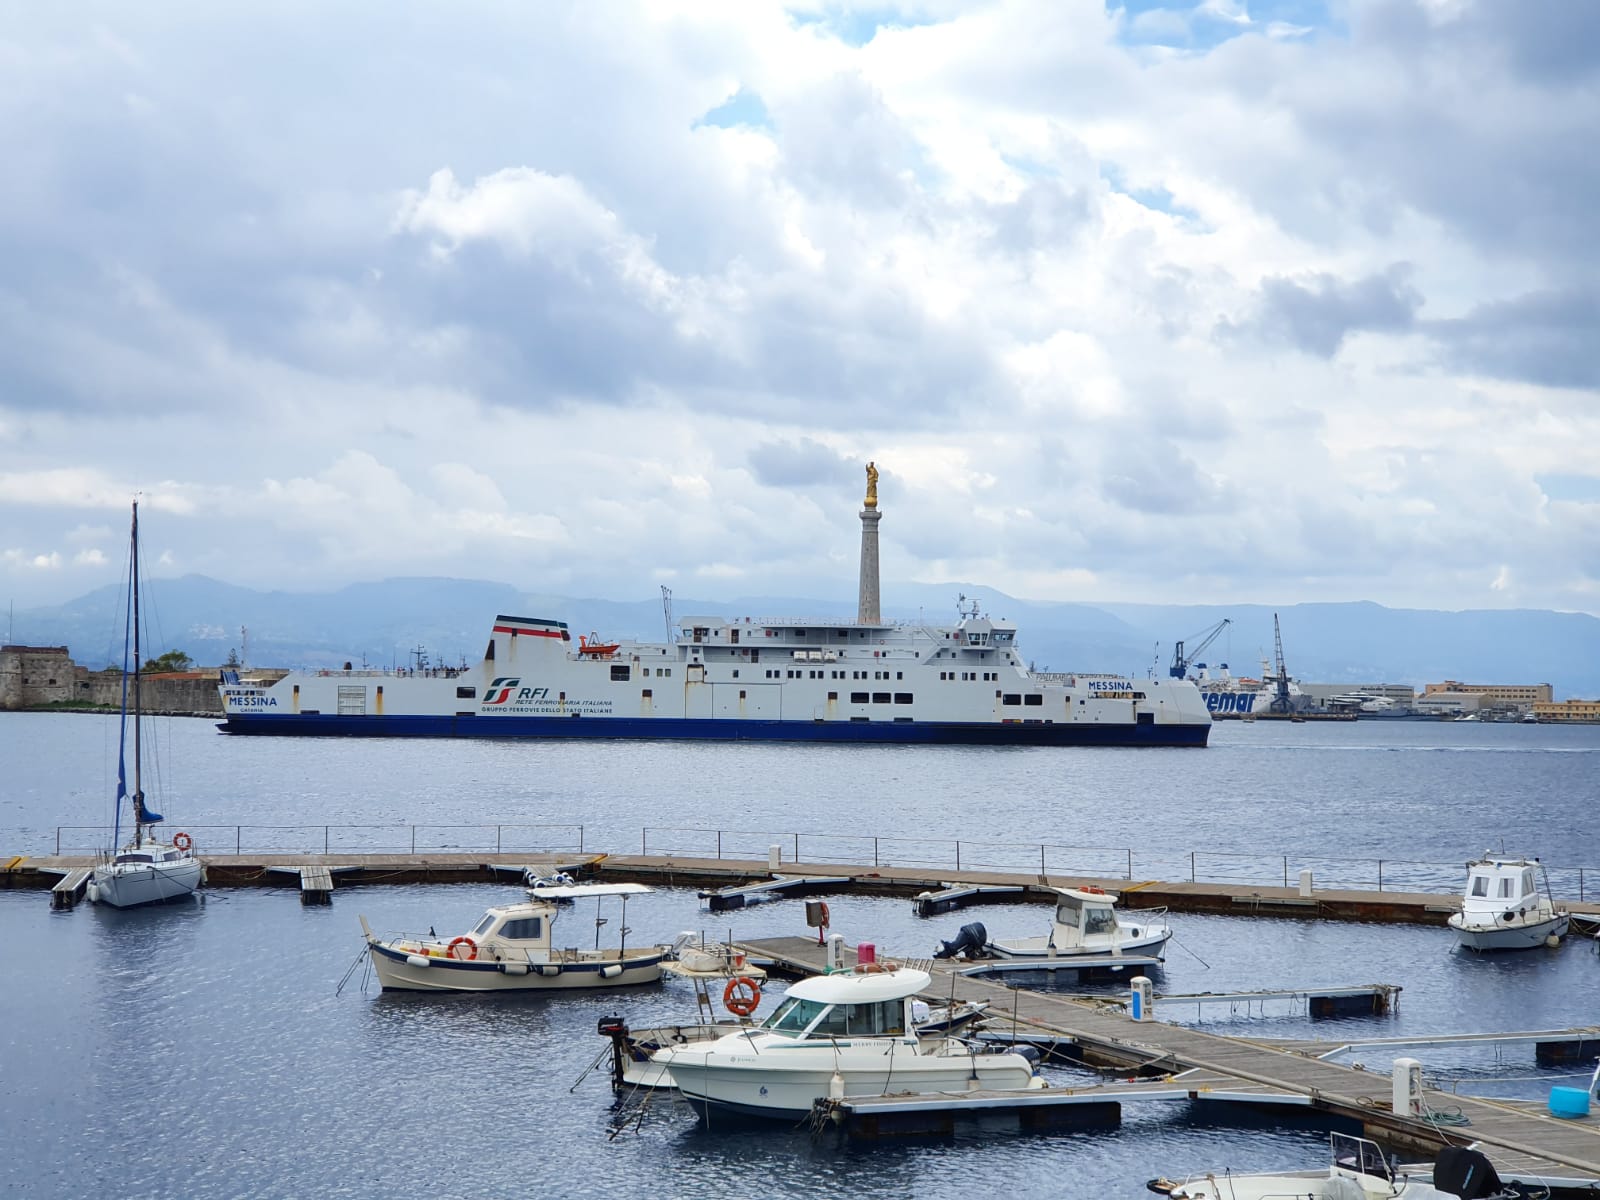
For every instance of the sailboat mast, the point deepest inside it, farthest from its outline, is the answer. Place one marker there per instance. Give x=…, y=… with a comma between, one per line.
x=138, y=787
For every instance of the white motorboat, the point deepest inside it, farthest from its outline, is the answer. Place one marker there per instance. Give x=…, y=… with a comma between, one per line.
x=1359, y=1171
x=851, y=1033
x=1503, y=909
x=512, y=949
x=640, y=1057
x=1086, y=922
x=147, y=870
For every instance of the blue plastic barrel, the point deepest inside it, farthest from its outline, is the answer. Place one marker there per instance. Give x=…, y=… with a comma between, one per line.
x=1569, y=1102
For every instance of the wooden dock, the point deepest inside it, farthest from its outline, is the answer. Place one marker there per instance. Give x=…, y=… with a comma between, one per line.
x=1523, y=1141
x=256, y=870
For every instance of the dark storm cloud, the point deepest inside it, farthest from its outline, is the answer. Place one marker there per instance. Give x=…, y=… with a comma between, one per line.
x=1316, y=313
x=1550, y=338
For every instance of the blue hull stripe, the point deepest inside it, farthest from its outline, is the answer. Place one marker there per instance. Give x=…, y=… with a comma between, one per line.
x=896, y=733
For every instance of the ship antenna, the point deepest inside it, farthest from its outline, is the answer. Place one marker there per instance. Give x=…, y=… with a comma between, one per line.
x=666, y=610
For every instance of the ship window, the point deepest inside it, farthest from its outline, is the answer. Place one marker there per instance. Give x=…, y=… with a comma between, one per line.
x=1033, y=698
x=858, y=697
x=1505, y=889
x=863, y=719
x=134, y=858
x=1147, y=718
x=483, y=925
x=833, y=695
x=524, y=929
x=880, y=697
x=899, y=674
x=903, y=698
x=1067, y=914
x=645, y=694
x=1527, y=883
x=736, y=672
x=1011, y=698
x=462, y=693
x=667, y=671
x=741, y=693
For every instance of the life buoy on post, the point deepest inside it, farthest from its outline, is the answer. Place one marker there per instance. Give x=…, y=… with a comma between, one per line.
x=741, y=996
x=463, y=940
x=182, y=841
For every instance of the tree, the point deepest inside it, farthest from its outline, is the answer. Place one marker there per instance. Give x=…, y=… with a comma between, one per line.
x=172, y=660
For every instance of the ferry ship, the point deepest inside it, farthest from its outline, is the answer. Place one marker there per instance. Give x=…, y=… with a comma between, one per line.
x=718, y=678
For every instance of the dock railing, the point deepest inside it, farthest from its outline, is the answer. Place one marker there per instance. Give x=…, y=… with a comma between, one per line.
x=1244, y=868
x=347, y=839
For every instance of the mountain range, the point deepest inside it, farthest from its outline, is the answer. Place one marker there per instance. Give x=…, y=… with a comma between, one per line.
x=389, y=623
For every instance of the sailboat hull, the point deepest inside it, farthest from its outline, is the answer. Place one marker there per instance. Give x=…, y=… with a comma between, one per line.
x=129, y=886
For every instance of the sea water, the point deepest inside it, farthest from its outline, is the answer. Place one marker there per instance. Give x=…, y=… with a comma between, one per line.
x=203, y=1049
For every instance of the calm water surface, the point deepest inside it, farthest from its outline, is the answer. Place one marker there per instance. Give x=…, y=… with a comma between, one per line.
x=201, y=1050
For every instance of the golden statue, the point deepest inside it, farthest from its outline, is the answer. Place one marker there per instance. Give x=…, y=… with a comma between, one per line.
x=872, y=486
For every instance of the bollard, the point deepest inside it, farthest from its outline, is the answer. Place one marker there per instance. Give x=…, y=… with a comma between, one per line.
x=1139, y=1003
x=1305, y=882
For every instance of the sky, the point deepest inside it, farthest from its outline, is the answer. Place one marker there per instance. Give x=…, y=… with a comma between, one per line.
x=1272, y=301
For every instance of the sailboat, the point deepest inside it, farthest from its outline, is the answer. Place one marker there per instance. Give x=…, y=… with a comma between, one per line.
x=146, y=870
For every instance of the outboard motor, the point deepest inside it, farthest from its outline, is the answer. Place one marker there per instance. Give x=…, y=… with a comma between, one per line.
x=969, y=942
x=1468, y=1174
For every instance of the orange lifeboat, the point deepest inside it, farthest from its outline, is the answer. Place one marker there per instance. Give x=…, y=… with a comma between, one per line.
x=592, y=645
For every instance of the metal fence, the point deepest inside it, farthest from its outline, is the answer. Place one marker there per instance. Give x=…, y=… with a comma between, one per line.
x=1244, y=869
x=349, y=839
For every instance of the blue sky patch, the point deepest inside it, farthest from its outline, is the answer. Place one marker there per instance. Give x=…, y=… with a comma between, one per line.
x=1205, y=26
x=742, y=108
x=1580, y=489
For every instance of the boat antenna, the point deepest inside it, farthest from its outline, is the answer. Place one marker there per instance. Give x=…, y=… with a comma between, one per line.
x=666, y=609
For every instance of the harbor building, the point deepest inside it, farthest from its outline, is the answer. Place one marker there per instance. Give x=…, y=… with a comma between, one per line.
x=1507, y=693
x=1582, y=711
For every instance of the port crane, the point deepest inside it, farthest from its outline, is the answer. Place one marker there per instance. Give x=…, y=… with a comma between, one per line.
x=1280, y=697
x=1180, y=661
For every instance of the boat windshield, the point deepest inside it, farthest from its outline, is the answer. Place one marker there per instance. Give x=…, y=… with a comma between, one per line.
x=135, y=858
x=483, y=925
x=1099, y=920
x=793, y=1016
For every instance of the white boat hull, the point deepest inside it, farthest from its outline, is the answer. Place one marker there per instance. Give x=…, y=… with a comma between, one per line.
x=784, y=1082
x=1517, y=935
x=399, y=970
x=129, y=885
x=1040, y=949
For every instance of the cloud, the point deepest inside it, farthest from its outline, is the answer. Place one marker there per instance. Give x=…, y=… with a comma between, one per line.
x=1318, y=312
x=1297, y=295
x=1544, y=337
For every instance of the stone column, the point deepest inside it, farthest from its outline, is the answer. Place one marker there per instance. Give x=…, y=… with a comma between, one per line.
x=868, y=613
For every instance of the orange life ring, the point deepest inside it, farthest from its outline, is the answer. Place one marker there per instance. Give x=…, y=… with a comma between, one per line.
x=825, y=923
x=472, y=948
x=741, y=996
x=182, y=841
x=1094, y=891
